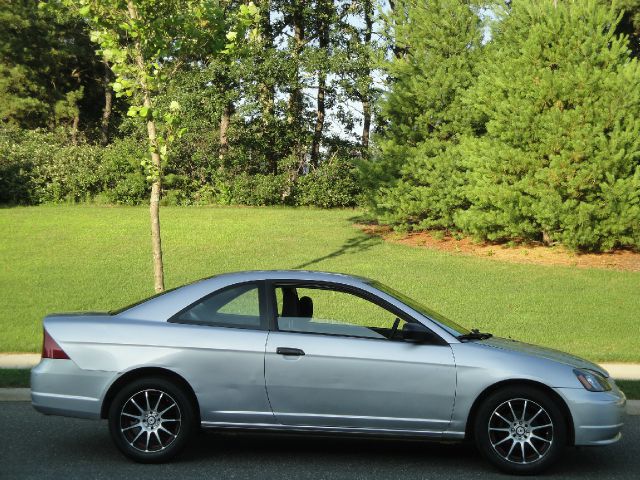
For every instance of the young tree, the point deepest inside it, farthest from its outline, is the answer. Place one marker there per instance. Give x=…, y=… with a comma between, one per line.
x=144, y=40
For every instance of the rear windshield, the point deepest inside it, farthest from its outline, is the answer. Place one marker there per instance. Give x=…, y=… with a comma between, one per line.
x=139, y=302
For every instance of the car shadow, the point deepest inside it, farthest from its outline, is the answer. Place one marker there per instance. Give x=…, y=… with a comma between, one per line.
x=86, y=451
x=388, y=458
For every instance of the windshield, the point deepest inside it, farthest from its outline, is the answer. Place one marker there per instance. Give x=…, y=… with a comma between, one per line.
x=449, y=325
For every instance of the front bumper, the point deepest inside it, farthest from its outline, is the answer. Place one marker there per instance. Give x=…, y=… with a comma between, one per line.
x=597, y=416
x=60, y=387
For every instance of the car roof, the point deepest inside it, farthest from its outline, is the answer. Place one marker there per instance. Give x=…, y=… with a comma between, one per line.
x=163, y=306
x=158, y=305
x=305, y=275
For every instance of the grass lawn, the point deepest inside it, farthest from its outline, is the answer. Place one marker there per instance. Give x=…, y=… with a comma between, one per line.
x=631, y=388
x=15, y=378
x=69, y=258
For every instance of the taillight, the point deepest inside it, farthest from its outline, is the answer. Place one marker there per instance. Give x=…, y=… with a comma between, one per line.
x=50, y=349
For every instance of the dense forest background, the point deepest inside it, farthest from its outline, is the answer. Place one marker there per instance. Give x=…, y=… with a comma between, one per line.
x=507, y=121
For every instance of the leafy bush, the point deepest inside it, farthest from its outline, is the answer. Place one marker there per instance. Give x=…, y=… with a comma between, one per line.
x=333, y=184
x=38, y=167
x=123, y=178
x=16, y=182
x=67, y=173
x=257, y=190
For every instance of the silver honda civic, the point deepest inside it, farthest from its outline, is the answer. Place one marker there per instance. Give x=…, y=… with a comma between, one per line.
x=317, y=352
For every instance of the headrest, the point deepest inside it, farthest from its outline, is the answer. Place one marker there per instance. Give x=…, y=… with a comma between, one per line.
x=305, y=307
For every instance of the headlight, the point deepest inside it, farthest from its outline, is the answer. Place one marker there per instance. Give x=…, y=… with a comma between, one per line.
x=592, y=381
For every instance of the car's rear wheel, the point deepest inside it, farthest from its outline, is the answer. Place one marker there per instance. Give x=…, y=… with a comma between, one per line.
x=151, y=420
x=520, y=430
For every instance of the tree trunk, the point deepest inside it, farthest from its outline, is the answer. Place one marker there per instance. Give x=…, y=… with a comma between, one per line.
x=225, y=121
x=320, y=113
x=156, y=186
x=154, y=204
x=397, y=51
x=366, y=122
x=74, y=128
x=366, y=96
x=106, y=110
x=323, y=43
x=295, y=98
x=267, y=88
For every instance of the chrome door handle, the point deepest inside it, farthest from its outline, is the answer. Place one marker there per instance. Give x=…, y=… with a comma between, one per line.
x=289, y=351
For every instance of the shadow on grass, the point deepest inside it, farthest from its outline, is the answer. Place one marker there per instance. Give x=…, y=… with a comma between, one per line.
x=357, y=244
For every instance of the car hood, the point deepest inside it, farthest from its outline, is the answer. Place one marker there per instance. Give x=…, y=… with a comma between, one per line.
x=543, y=352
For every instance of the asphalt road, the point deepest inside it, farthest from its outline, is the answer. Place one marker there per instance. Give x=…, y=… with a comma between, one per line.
x=36, y=446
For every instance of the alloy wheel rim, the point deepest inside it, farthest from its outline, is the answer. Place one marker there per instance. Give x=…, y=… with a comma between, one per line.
x=520, y=431
x=150, y=420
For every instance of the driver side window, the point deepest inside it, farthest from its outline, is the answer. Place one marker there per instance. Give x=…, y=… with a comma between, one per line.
x=333, y=312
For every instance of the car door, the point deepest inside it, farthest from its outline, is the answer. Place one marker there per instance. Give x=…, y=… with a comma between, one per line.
x=334, y=359
x=223, y=337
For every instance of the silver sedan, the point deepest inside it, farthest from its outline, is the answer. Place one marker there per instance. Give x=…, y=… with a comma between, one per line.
x=317, y=352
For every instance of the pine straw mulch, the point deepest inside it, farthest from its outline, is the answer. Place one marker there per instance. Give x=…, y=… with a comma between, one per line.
x=533, y=253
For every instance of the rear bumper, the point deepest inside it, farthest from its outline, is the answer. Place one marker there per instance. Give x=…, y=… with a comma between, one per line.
x=60, y=387
x=598, y=417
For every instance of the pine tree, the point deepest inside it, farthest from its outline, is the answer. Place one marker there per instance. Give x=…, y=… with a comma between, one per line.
x=415, y=178
x=559, y=96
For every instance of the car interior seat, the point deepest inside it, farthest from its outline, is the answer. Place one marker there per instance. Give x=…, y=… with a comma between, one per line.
x=305, y=307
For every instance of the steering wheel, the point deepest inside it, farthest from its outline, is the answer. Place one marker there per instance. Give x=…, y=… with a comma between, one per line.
x=394, y=329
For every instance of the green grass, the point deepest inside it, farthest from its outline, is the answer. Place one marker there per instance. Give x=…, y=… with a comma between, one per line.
x=14, y=378
x=631, y=388
x=69, y=258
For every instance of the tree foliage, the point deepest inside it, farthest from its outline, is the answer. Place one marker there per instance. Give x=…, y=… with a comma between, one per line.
x=48, y=68
x=502, y=120
x=559, y=97
x=415, y=180
x=538, y=142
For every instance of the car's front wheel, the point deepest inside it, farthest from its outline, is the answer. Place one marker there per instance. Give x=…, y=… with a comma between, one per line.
x=520, y=430
x=151, y=420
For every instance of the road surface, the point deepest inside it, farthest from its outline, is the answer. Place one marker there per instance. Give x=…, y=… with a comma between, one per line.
x=37, y=446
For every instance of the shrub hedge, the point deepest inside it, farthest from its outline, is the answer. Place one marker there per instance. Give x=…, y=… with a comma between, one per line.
x=42, y=167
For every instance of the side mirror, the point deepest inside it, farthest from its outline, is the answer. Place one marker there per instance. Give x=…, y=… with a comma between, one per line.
x=417, y=333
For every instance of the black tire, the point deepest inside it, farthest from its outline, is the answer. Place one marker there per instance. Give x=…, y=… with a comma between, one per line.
x=151, y=420
x=511, y=430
